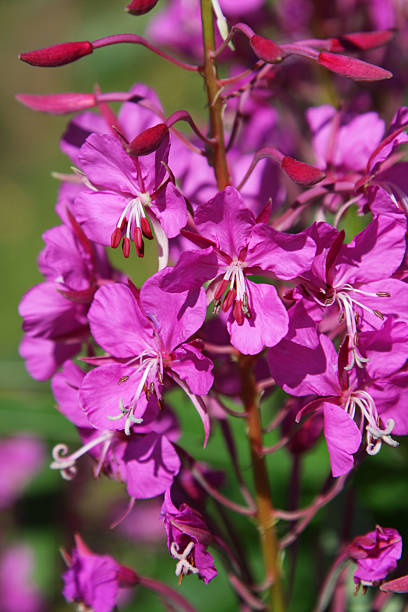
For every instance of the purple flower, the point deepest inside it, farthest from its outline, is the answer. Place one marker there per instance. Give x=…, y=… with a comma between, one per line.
x=376, y=554
x=356, y=278
x=237, y=247
x=54, y=311
x=187, y=540
x=374, y=397
x=145, y=460
x=123, y=192
x=147, y=337
x=94, y=580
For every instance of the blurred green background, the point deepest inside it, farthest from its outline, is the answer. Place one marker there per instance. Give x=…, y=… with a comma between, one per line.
x=30, y=153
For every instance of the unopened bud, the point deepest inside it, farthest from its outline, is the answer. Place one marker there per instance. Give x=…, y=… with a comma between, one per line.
x=140, y=7
x=266, y=49
x=58, y=104
x=57, y=55
x=148, y=141
x=358, y=41
x=301, y=173
x=352, y=68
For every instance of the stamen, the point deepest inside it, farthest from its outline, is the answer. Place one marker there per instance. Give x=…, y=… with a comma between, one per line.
x=183, y=566
x=66, y=463
x=375, y=436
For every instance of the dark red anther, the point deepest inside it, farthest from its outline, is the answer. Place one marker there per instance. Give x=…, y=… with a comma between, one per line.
x=266, y=49
x=342, y=362
x=57, y=55
x=229, y=298
x=332, y=255
x=140, y=7
x=237, y=312
x=138, y=238
x=140, y=251
x=115, y=238
x=123, y=224
x=148, y=141
x=221, y=289
x=352, y=68
x=126, y=246
x=301, y=173
x=146, y=229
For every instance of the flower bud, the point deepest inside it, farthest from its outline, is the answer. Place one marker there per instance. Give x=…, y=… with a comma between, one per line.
x=358, y=41
x=352, y=68
x=58, y=104
x=148, y=141
x=140, y=7
x=301, y=173
x=266, y=49
x=57, y=55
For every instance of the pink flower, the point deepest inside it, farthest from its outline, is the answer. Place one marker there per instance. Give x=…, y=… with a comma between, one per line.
x=147, y=337
x=237, y=248
x=187, y=539
x=376, y=554
x=94, y=580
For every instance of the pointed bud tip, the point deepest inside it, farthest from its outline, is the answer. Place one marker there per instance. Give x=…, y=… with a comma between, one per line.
x=266, y=49
x=148, y=141
x=301, y=173
x=352, y=68
x=57, y=55
x=140, y=7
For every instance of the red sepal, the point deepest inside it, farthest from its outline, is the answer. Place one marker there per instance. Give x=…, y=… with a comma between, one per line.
x=148, y=141
x=352, y=68
x=140, y=7
x=266, y=49
x=300, y=172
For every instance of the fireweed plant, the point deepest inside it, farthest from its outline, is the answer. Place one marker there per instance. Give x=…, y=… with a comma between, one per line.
x=258, y=294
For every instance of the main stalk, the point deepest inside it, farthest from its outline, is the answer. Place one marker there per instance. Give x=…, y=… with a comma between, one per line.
x=209, y=71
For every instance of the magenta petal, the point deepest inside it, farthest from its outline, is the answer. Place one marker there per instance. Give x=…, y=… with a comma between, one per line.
x=226, y=220
x=170, y=208
x=363, y=259
x=285, y=255
x=343, y=438
x=99, y=212
x=175, y=316
x=43, y=357
x=267, y=325
x=48, y=314
x=106, y=164
x=191, y=271
x=117, y=322
x=303, y=370
x=103, y=391
x=151, y=465
x=65, y=387
x=194, y=368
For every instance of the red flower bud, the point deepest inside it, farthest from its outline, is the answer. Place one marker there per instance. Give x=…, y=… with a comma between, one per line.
x=266, y=49
x=148, y=141
x=140, y=7
x=58, y=104
x=352, y=68
x=300, y=172
x=57, y=55
x=358, y=41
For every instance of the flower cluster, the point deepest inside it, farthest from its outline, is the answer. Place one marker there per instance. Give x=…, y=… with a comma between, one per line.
x=256, y=288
